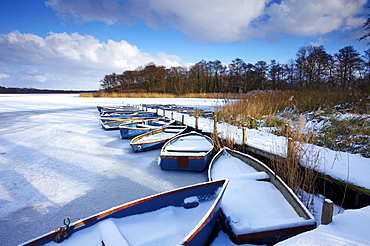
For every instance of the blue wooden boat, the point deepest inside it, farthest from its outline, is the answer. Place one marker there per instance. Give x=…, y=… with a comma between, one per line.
x=128, y=114
x=157, y=138
x=258, y=207
x=187, y=152
x=102, y=109
x=113, y=123
x=184, y=216
x=130, y=130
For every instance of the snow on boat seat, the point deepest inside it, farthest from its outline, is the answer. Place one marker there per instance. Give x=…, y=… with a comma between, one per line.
x=190, y=144
x=105, y=231
x=110, y=234
x=173, y=130
x=145, y=126
x=160, y=123
x=259, y=176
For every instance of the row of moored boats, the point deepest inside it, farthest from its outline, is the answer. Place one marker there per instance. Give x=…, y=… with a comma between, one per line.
x=243, y=196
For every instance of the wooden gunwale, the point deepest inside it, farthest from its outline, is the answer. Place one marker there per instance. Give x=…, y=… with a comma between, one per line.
x=134, y=140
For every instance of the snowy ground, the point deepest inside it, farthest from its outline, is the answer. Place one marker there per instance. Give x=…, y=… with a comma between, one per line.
x=56, y=161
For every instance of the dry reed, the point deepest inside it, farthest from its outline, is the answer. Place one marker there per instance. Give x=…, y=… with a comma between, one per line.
x=159, y=95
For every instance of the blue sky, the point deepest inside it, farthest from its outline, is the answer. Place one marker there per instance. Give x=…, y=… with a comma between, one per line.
x=68, y=44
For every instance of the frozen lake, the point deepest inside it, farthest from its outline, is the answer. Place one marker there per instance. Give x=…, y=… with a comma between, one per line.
x=56, y=161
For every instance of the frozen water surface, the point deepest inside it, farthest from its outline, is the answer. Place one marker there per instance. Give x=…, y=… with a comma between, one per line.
x=56, y=161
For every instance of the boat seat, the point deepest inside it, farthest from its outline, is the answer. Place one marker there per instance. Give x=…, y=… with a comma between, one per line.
x=160, y=123
x=110, y=234
x=173, y=130
x=145, y=126
x=188, y=148
x=259, y=176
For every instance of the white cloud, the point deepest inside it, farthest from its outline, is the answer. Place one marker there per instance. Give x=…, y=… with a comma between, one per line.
x=222, y=21
x=4, y=76
x=62, y=59
x=313, y=17
x=209, y=20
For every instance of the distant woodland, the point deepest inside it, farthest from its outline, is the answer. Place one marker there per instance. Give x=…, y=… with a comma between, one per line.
x=11, y=90
x=313, y=68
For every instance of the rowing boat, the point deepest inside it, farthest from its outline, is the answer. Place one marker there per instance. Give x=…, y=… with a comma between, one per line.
x=184, y=216
x=258, y=207
x=157, y=138
x=113, y=123
x=187, y=152
x=130, y=130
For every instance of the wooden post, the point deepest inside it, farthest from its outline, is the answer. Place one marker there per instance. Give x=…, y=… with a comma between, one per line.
x=172, y=115
x=244, y=135
x=214, y=123
x=156, y=111
x=287, y=130
x=183, y=119
x=289, y=150
x=196, y=122
x=327, y=212
x=164, y=112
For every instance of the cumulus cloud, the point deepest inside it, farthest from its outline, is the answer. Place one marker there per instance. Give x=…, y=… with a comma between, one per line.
x=314, y=17
x=65, y=60
x=222, y=21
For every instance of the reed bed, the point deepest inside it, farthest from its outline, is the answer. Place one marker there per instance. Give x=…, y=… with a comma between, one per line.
x=282, y=112
x=160, y=95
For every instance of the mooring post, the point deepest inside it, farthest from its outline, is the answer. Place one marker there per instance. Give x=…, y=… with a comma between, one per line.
x=171, y=115
x=244, y=135
x=214, y=123
x=287, y=130
x=164, y=112
x=156, y=111
x=327, y=212
x=196, y=122
x=182, y=119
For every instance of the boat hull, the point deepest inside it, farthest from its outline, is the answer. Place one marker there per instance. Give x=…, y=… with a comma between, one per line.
x=147, y=141
x=263, y=233
x=198, y=235
x=130, y=130
x=113, y=124
x=185, y=163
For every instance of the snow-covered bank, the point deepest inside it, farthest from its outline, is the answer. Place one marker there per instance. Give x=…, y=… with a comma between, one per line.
x=56, y=161
x=346, y=167
x=347, y=229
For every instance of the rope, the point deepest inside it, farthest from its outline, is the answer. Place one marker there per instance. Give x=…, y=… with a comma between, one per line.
x=62, y=232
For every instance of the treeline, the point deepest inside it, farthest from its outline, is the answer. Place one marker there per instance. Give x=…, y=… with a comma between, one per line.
x=13, y=90
x=313, y=68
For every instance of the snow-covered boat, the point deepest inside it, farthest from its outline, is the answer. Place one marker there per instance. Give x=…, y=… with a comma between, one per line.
x=103, y=109
x=187, y=152
x=184, y=216
x=258, y=207
x=157, y=138
x=128, y=114
x=113, y=123
x=130, y=130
